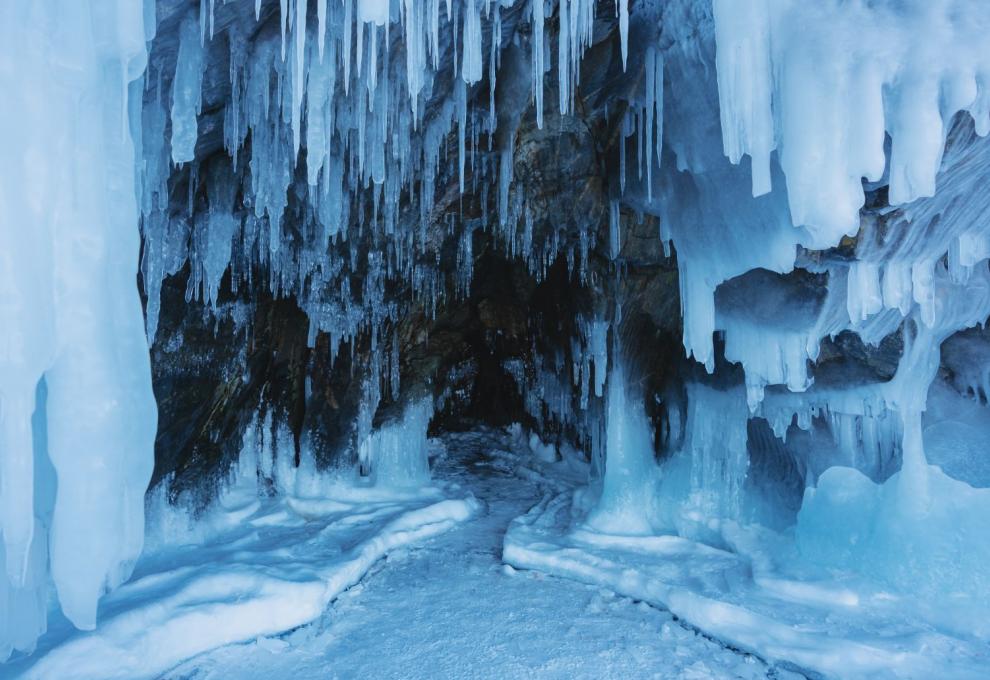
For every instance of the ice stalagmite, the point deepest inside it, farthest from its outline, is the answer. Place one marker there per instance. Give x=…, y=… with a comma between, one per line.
x=628, y=486
x=71, y=328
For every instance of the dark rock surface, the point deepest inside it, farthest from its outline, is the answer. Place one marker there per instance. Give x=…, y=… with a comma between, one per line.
x=218, y=369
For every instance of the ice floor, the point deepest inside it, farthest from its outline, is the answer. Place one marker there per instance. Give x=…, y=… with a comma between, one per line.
x=449, y=608
x=417, y=584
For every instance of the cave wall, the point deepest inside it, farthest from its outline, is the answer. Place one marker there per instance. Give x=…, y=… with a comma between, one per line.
x=473, y=272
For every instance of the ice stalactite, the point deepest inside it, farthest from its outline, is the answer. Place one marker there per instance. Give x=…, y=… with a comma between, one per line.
x=742, y=47
x=186, y=91
x=537, y=50
x=623, y=10
x=72, y=322
x=783, y=69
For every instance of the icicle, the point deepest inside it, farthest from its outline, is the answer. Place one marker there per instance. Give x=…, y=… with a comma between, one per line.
x=538, y=69
x=492, y=73
x=461, y=96
x=624, y=30
x=743, y=59
x=658, y=103
x=321, y=25
x=471, y=53
x=563, y=57
x=346, y=46
x=298, y=75
x=283, y=17
x=186, y=92
x=614, y=245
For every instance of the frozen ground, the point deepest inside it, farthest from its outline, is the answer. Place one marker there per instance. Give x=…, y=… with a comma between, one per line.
x=248, y=568
x=449, y=608
x=835, y=626
x=414, y=583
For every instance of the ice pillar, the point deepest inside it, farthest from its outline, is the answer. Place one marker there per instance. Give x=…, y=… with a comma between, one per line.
x=69, y=307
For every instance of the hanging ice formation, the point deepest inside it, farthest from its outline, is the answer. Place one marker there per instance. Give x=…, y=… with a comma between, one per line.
x=828, y=101
x=77, y=415
x=831, y=102
x=370, y=90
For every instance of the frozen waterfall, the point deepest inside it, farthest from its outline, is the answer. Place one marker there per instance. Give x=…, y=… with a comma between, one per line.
x=78, y=414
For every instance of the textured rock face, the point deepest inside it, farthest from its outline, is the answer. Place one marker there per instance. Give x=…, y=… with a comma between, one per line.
x=472, y=264
x=216, y=365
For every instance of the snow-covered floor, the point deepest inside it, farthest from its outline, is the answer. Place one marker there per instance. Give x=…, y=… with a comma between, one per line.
x=449, y=608
x=833, y=626
x=415, y=584
x=250, y=567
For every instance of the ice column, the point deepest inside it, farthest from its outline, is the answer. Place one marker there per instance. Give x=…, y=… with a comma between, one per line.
x=630, y=473
x=398, y=450
x=71, y=313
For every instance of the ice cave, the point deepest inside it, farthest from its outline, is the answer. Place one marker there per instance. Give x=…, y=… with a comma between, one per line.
x=494, y=339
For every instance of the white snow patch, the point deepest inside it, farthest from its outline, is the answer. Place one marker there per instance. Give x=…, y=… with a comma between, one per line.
x=272, y=572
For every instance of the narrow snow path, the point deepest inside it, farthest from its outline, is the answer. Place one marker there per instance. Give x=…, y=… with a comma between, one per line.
x=449, y=608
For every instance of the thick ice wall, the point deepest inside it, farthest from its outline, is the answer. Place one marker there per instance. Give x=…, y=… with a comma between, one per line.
x=68, y=219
